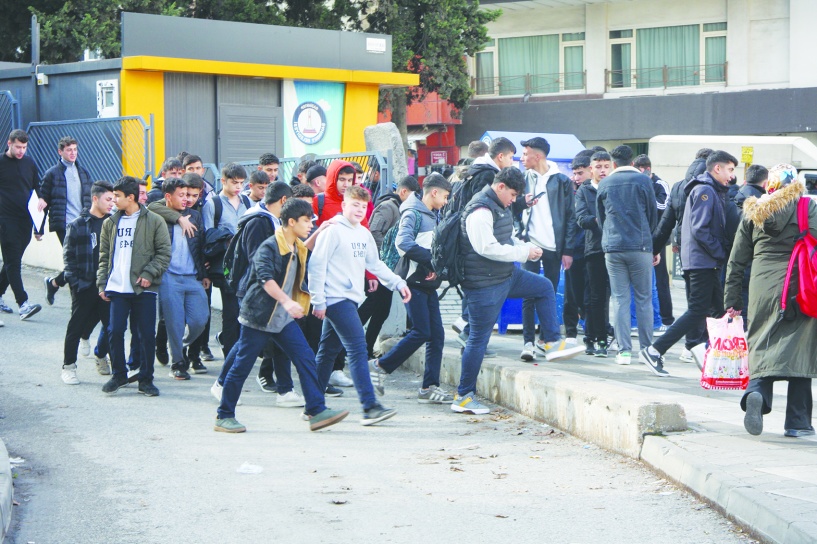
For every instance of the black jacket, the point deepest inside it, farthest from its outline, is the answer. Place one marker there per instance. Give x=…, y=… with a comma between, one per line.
x=704, y=240
x=561, y=197
x=54, y=190
x=587, y=217
x=747, y=191
x=481, y=271
x=477, y=177
x=196, y=243
x=255, y=229
x=78, y=253
x=627, y=211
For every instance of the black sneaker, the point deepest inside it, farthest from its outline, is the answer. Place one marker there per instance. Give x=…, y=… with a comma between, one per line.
x=178, y=373
x=112, y=385
x=197, y=367
x=266, y=383
x=332, y=391
x=601, y=350
x=162, y=356
x=656, y=364
x=206, y=354
x=50, y=291
x=376, y=414
x=753, y=420
x=589, y=347
x=218, y=340
x=148, y=389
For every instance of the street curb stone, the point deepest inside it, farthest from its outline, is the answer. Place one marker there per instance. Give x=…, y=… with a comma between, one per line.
x=596, y=411
x=6, y=490
x=772, y=518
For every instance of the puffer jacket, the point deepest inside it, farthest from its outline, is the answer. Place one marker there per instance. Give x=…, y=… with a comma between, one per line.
x=54, y=190
x=747, y=191
x=587, y=217
x=416, y=248
x=151, y=250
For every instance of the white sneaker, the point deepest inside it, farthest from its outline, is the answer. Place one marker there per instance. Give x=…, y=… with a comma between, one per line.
x=102, y=366
x=613, y=346
x=216, y=390
x=69, y=375
x=84, y=347
x=571, y=341
x=339, y=379
x=686, y=356
x=2, y=324
x=290, y=400
x=698, y=353
x=624, y=358
x=528, y=354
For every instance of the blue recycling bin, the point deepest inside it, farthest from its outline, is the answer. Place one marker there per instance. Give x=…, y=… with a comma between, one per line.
x=656, y=310
x=511, y=313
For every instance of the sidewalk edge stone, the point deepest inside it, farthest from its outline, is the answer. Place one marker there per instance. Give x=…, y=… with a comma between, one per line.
x=6, y=491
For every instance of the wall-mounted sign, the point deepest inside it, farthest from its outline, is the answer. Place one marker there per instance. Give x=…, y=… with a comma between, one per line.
x=309, y=123
x=375, y=45
x=439, y=157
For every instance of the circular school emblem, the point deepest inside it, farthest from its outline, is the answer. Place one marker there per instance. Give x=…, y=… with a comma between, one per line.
x=309, y=123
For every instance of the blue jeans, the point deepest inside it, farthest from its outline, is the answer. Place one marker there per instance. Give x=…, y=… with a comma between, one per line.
x=141, y=309
x=281, y=364
x=424, y=311
x=484, y=305
x=551, y=264
x=183, y=302
x=250, y=343
x=342, y=330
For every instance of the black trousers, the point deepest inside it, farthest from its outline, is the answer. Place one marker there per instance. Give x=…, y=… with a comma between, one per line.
x=15, y=235
x=59, y=279
x=664, y=297
x=87, y=309
x=574, y=307
x=704, y=299
x=798, y=399
x=229, y=314
x=598, y=311
x=375, y=309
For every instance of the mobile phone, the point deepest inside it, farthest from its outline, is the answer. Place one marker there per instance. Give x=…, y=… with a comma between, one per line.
x=540, y=195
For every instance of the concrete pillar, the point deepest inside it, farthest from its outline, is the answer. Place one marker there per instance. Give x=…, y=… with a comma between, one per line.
x=802, y=61
x=596, y=50
x=737, y=42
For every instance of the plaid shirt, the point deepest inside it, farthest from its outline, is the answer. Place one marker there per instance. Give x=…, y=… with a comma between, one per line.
x=78, y=253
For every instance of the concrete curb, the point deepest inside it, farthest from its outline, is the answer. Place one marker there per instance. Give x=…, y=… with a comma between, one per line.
x=6, y=491
x=771, y=518
x=597, y=411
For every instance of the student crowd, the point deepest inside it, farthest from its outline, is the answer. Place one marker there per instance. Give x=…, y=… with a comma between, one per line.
x=303, y=266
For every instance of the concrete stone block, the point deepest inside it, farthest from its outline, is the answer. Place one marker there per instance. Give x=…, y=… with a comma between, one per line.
x=6, y=491
x=384, y=137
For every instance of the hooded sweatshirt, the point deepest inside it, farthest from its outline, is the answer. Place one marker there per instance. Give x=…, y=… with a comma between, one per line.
x=332, y=198
x=342, y=254
x=539, y=219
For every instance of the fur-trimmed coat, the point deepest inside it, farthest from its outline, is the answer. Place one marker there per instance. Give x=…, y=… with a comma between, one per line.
x=765, y=239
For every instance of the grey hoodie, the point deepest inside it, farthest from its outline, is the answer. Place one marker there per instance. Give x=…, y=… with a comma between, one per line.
x=416, y=248
x=342, y=255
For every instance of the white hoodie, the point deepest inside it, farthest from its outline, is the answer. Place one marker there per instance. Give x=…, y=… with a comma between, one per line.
x=337, y=268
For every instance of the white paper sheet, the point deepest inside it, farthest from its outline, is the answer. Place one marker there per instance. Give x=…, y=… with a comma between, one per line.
x=37, y=217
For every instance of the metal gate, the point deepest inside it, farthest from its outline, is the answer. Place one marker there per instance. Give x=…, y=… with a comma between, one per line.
x=109, y=148
x=9, y=114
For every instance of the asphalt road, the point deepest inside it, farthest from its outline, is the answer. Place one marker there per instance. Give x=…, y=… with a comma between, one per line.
x=131, y=469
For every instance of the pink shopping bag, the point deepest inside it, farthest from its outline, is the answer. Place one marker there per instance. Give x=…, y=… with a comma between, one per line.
x=726, y=362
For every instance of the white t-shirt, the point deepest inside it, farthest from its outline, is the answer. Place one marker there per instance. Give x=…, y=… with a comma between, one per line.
x=540, y=229
x=119, y=280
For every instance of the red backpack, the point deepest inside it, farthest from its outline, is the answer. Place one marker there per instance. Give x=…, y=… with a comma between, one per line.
x=804, y=255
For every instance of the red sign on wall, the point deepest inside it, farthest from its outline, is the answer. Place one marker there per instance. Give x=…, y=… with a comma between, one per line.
x=439, y=157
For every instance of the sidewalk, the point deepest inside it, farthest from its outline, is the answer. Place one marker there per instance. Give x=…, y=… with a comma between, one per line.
x=695, y=437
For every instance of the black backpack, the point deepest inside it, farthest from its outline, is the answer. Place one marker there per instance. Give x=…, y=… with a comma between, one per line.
x=236, y=261
x=445, y=249
x=461, y=195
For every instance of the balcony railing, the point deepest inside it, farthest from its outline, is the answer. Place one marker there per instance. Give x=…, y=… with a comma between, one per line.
x=529, y=84
x=666, y=76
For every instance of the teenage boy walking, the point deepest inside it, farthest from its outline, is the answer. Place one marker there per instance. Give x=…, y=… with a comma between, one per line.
x=134, y=252
x=81, y=259
x=275, y=299
x=343, y=252
x=705, y=245
x=418, y=217
x=65, y=191
x=489, y=250
x=182, y=296
x=18, y=178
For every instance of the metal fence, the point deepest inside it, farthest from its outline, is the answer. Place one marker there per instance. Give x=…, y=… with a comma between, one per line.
x=9, y=114
x=529, y=84
x=288, y=168
x=108, y=148
x=667, y=76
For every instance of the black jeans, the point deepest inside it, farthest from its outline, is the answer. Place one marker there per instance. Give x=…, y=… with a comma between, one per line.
x=598, y=311
x=87, y=309
x=15, y=235
x=704, y=299
x=798, y=400
x=375, y=309
x=59, y=279
x=229, y=314
x=574, y=307
x=664, y=297
x=551, y=262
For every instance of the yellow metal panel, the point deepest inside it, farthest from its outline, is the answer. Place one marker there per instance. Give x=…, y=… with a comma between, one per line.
x=359, y=111
x=143, y=93
x=166, y=64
